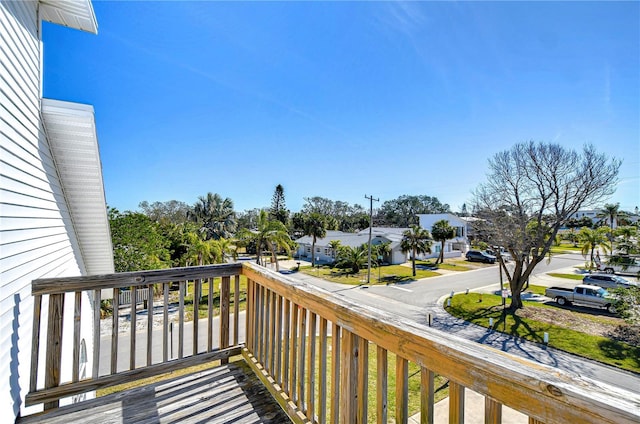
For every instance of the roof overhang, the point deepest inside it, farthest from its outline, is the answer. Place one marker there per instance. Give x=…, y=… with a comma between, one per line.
x=71, y=132
x=76, y=14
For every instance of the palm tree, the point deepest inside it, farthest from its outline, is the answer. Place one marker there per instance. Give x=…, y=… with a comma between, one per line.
x=315, y=227
x=442, y=231
x=270, y=234
x=335, y=246
x=382, y=249
x=417, y=241
x=353, y=257
x=215, y=215
x=592, y=239
x=610, y=212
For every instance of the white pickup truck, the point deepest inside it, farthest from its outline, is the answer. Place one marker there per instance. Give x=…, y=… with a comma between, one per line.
x=620, y=264
x=583, y=294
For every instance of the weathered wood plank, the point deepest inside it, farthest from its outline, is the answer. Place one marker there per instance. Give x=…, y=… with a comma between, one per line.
x=226, y=394
x=181, y=295
x=114, y=330
x=382, y=385
x=53, y=359
x=311, y=367
x=363, y=378
x=197, y=295
x=165, y=323
x=131, y=279
x=77, y=313
x=35, y=342
x=322, y=374
x=427, y=395
x=536, y=390
x=132, y=336
x=492, y=411
x=97, y=299
x=210, y=314
x=83, y=386
x=278, y=341
x=236, y=308
x=149, y=323
x=286, y=346
x=336, y=349
x=225, y=295
x=456, y=403
x=302, y=350
x=348, y=377
x=293, y=355
x=402, y=390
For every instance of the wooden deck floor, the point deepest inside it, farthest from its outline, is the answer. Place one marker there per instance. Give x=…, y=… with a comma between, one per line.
x=226, y=394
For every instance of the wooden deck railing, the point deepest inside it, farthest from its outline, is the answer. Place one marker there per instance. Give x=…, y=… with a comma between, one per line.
x=311, y=349
x=221, y=338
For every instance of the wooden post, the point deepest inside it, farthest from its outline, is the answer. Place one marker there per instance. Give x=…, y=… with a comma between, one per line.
x=336, y=351
x=286, y=346
x=77, y=313
x=363, y=379
x=181, y=295
x=165, y=322
x=97, y=299
x=35, y=342
x=197, y=295
x=132, y=338
x=382, y=386
x=456, y=403
x=322, y=374
x=114, y=330
x=210, y=313
x=225, y=294
x=492, y=411
x=402, y=390
x=311, y=367
x=427, y=395
x=54, y=345
x=349, y=378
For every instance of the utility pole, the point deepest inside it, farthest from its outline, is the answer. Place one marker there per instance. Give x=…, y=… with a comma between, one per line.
x=371, y=200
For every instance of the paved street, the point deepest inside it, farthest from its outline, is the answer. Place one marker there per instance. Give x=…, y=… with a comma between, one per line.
x=416, y=300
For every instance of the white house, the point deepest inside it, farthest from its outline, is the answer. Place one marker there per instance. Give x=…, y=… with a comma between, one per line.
x=53, y=218
x=325, y=254
x=455, y=246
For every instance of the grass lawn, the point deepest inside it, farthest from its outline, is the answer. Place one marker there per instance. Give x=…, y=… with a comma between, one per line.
x=388, y=274
x=568, y=276
x=203, y=306
x=562, y=327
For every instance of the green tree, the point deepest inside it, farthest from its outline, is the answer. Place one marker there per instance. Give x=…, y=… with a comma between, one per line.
x=610, y=213
x=270, y=235
x=173, y=211
x=335, y=247
x=531, y=191
x=591, y=239
x=627, y=239
x=315, y=227
x=137, y=242
x=353, y=257
x=416, y=240
x=279, y=210
x=215, y=216
x=441, y=231
x=403, y=211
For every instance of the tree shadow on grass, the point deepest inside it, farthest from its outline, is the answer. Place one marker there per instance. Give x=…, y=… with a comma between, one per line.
x=619, y=351
x=397, y=279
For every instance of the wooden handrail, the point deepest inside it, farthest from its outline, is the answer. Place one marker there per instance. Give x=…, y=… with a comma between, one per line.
x=83, y=294
x=543, y=393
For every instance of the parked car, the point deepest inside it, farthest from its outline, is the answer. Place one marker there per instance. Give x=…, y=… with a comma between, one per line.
x=504, y=254
x=583, y=294
x=608, y=281
x=620, y=264
x=480, y=256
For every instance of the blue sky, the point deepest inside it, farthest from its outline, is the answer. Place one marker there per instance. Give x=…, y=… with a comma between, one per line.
x=345, y=99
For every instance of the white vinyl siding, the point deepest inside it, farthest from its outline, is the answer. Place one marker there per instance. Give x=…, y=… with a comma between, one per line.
x=36, y=236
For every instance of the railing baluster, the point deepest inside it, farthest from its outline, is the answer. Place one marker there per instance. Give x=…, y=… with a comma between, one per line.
x=272, y=334
x=261, y=323
x=225, y=295
x=363, y=378
x=77, y=313
x=335, y=373
x=181, y=319
x=236, y=309
x=322, y=375
x=114, y=330
x=165, y=322
x=197, y=294
x=456, y=403
x=277, y=374
x=149, y=323
x=286, y=348
x=132, y=338
x=302, y=338
x=311, y=366
x=267, y=332
x=492, y=411
x=97, y=299
x=349, y=377
x=210, y=313
x=54, y=345
x=382, y=384
x=250, y=317
x=427, y=395
x=402, y=390
x=293, y=365
x=35, y=342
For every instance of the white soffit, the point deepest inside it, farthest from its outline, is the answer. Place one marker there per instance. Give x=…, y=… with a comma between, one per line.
x=76, y=14
x=71, y=132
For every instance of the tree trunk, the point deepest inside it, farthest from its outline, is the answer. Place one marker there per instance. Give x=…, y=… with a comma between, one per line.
x=274, y=257
x=413, y=262
x=441, y=257
x=313, y=248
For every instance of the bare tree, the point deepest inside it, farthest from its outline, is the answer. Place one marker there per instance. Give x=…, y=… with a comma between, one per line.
x=531, y=190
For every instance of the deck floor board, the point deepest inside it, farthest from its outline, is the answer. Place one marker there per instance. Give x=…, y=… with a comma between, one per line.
x=226, y=394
